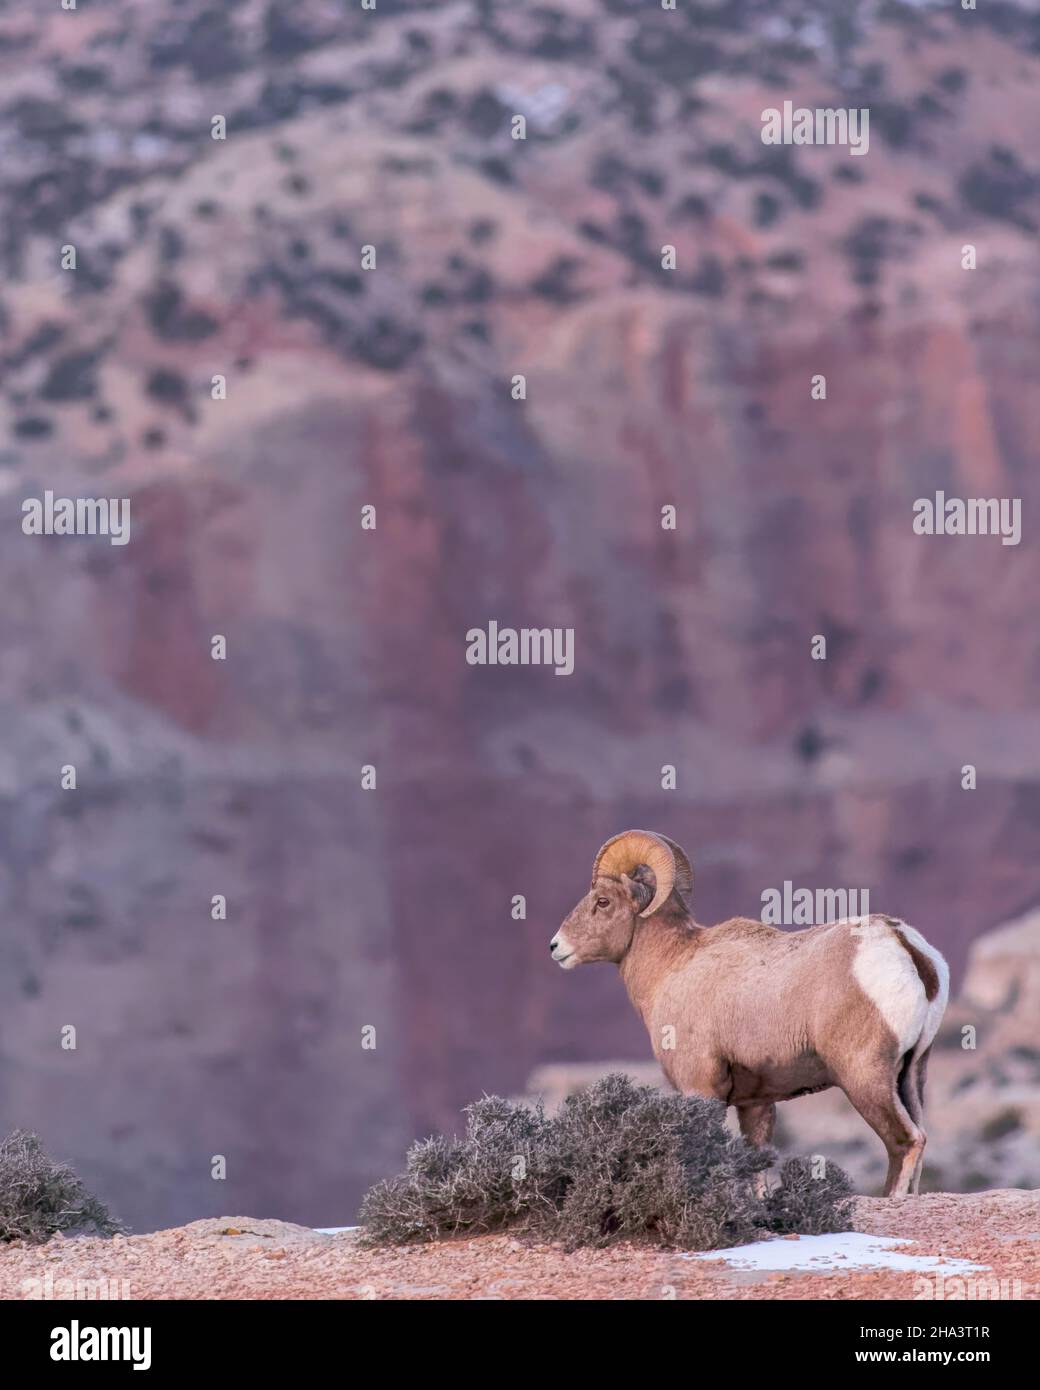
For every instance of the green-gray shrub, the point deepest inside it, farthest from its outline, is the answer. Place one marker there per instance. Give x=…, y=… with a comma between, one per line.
x=39, y=1197
x=808, y=1205
x=616, y=1162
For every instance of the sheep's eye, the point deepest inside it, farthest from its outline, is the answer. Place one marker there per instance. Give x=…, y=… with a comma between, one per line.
x=602, y=902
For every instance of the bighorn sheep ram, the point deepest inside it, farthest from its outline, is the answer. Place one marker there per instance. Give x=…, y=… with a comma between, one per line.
x=753, y=1015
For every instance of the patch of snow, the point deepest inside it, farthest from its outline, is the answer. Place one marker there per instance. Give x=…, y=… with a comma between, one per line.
x=843, y=1250
x=334, y=1230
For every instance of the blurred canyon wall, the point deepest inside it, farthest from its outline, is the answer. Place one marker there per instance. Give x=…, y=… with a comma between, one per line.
x=242, y=258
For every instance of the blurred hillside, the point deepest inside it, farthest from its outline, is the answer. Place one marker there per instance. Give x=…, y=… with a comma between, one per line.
x=242, y=258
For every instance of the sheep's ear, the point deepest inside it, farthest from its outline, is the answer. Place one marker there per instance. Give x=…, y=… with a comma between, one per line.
x=641, y=893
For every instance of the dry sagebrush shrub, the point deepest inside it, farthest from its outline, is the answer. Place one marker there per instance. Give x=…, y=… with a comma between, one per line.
x=617, y=1162
x=809, y=1205
x=39, y=1197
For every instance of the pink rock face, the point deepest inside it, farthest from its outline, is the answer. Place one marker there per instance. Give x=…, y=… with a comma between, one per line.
x=221, y=358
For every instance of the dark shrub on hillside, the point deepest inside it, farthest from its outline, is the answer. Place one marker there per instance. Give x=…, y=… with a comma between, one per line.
x=999, y=187
x=39, y=1197
x=616, y=1162
x=999, y=1126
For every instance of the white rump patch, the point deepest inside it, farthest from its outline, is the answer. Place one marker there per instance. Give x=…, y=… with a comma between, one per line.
x=885, y=972
x=937, y=1007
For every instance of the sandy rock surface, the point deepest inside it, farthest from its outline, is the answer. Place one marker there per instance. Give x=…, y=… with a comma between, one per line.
x=239, y=1257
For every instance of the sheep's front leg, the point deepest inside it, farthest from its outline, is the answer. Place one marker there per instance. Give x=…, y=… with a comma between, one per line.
x=710, y=1077
x=757, y=1123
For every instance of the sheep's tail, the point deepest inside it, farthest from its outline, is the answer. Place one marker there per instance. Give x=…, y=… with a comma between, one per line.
x=911, y=1090
x=934, y=975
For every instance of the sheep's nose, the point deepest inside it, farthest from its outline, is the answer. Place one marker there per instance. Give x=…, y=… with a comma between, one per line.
x=552, y=946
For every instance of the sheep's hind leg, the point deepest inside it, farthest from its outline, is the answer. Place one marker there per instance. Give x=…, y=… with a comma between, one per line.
x=757, y=1123
x=879, y=1104
x=912, y=1092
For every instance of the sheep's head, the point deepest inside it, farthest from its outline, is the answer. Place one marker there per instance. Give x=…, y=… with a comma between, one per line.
x=633, y=876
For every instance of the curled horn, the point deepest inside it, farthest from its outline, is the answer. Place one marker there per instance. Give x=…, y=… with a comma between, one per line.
x=683, y=871
x=670, y=866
